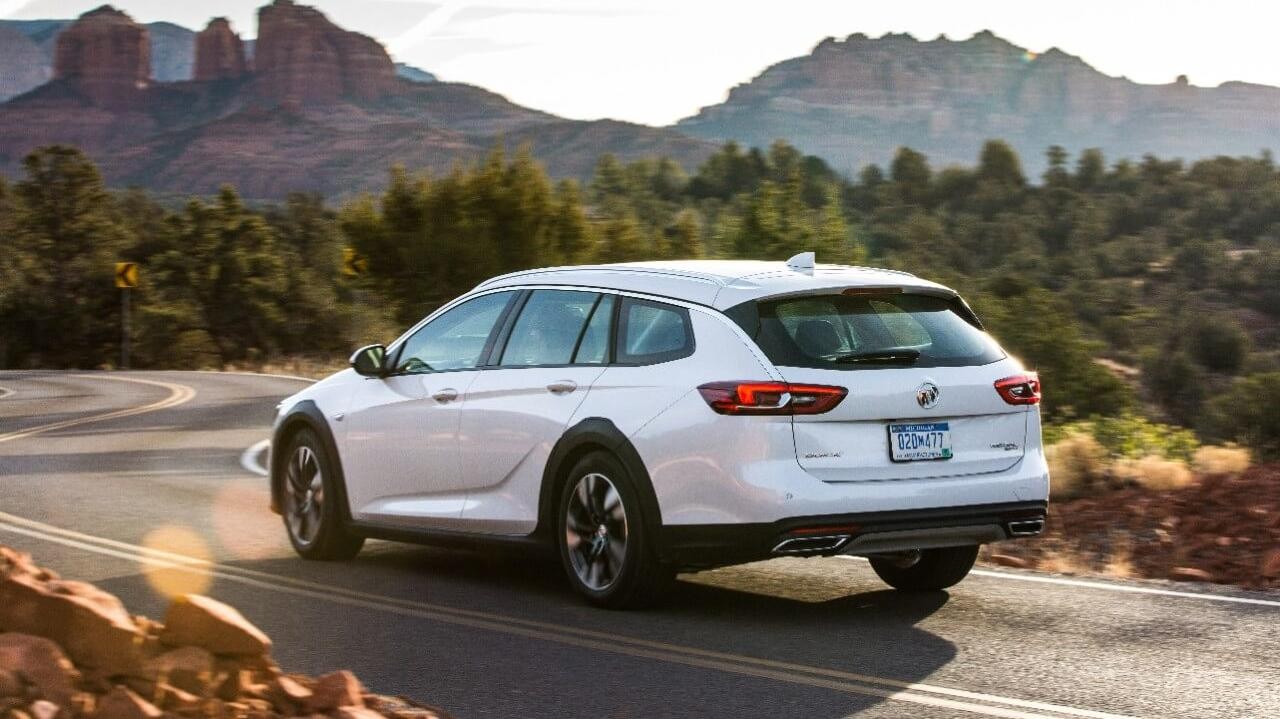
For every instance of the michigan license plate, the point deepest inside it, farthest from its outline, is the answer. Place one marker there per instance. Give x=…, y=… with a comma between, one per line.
x=912, y=442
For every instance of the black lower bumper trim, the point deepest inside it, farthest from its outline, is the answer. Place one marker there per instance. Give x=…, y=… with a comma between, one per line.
x=712, y=545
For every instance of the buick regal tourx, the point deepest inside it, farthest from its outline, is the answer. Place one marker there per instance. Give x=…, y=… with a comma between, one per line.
x=648, y=418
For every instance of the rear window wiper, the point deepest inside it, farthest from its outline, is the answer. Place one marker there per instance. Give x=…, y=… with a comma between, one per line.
x=900, y=355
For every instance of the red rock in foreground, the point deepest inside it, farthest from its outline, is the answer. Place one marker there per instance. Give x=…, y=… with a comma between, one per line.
x=1222, y=528
x=209, y=662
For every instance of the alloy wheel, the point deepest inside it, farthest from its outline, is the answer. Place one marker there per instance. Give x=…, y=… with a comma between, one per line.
x=596, y=531
x=304, y=495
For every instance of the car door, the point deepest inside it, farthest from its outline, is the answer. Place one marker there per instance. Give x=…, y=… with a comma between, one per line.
x=400, y=452
x=518, y=409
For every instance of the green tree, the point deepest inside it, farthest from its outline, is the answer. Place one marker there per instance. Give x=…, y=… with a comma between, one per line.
x=62, y=309
x=684, y=239
x=911, y=174
x=1000, y=164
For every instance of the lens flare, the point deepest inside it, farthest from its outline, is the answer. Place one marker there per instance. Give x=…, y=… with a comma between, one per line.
x=171, y=582
x=1029, y=56
x=244, y=523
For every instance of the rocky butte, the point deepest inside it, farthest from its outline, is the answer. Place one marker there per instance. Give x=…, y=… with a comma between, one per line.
x=302, y=57
x=106, y=56
x=317, y=109
x=219, y=53
x=854, y=101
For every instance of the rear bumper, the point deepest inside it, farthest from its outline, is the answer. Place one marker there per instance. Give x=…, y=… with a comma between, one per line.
x=710, y=545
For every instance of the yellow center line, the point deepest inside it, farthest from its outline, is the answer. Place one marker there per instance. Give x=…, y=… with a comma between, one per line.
x=178, y=394
x=848, y=682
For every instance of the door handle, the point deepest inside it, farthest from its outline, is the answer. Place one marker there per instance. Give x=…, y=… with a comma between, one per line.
x=564, y=386
x=445, y=395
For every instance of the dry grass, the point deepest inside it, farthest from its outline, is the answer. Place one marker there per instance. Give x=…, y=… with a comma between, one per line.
x=1058, y=562
x=1077, y=466
x=1152, y=472
x=1229, y=459
x=1120, y=563
x=311, y=367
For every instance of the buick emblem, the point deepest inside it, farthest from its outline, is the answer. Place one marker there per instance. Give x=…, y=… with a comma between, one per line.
x=928, y=394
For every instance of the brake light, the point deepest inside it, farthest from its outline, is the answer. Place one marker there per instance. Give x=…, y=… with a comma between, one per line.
x=1020, y=389
x=771, y=398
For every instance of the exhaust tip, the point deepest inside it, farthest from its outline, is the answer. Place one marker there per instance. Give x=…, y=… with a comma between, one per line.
x=810, y=545
x=1026, y=527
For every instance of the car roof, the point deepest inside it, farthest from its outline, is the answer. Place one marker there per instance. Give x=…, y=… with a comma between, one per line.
x=718, y=283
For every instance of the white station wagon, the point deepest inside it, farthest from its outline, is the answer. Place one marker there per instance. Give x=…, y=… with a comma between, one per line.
x=643, y=419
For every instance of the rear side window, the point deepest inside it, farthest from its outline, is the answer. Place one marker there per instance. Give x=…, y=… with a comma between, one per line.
x=594, y=347
x=652, y=332
x=865, y=332
x=548, y=328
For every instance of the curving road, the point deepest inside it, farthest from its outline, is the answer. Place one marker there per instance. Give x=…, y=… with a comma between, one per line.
x=136, y=481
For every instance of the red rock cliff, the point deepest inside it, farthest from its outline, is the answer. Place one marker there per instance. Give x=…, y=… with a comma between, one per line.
x=106, y=55
x=219, y=52
x=301, y=56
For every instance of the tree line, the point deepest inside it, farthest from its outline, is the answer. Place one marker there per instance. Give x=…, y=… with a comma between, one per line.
x=1168, y=268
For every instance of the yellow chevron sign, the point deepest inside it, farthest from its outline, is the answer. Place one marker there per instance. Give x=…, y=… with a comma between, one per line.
x=126, y=274
x=353, y=265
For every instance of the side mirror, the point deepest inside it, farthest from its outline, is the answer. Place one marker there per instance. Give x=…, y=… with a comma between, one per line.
x=368, y=361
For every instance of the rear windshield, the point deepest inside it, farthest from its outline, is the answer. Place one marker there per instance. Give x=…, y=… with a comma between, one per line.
x=865, y=332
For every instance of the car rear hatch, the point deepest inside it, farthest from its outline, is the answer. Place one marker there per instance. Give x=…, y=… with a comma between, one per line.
x=921, y=378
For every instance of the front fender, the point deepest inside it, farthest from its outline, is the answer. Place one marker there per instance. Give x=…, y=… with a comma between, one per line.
x=304, y=413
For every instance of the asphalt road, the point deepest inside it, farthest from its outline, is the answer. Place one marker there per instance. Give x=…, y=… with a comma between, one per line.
x=135, y=481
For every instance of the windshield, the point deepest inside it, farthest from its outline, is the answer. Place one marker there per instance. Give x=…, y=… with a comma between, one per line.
x=865, y=332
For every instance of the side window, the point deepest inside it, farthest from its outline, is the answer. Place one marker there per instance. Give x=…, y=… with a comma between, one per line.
x=456, y=339
x=652, y=332
x=594, y=347
x=548, y=328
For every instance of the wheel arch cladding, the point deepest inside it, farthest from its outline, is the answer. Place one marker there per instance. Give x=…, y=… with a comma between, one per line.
x=589, y=435
x=305, y=415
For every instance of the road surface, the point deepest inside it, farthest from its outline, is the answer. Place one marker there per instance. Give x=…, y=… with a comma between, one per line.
x=141, y=482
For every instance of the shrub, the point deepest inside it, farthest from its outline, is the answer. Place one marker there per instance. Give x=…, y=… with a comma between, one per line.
x=1246, y=413
x=1130, y=435
x=1152, y=472
x=1077, y=466
x=1229, y=459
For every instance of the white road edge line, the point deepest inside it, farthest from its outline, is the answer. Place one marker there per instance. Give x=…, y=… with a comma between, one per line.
x=691, y=656
x=1083, y=583
x=178, y=394
x=249, y=458
x=5, y=392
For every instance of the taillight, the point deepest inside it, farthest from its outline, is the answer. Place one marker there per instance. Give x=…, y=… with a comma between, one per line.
x=1020, y=389
x=771, y=397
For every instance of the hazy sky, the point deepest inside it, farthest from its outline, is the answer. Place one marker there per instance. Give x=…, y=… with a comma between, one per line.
x=655, y=61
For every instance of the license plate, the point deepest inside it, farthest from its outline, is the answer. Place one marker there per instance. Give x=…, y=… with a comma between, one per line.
x=913, y=442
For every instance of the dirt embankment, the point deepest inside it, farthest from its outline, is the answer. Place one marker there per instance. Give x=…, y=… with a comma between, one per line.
x=69, y=650
x=1220, y=528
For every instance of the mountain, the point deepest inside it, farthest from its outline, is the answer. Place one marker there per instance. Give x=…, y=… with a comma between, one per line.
x=854, y=101
x=26, y=54
x=409, y=72
x=307, y=106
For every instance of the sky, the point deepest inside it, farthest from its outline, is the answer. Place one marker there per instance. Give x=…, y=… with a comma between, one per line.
x=655, y=61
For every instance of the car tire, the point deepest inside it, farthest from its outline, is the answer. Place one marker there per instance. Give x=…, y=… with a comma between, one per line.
x=310, y=497
x=932, y=570
x=606, y=545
